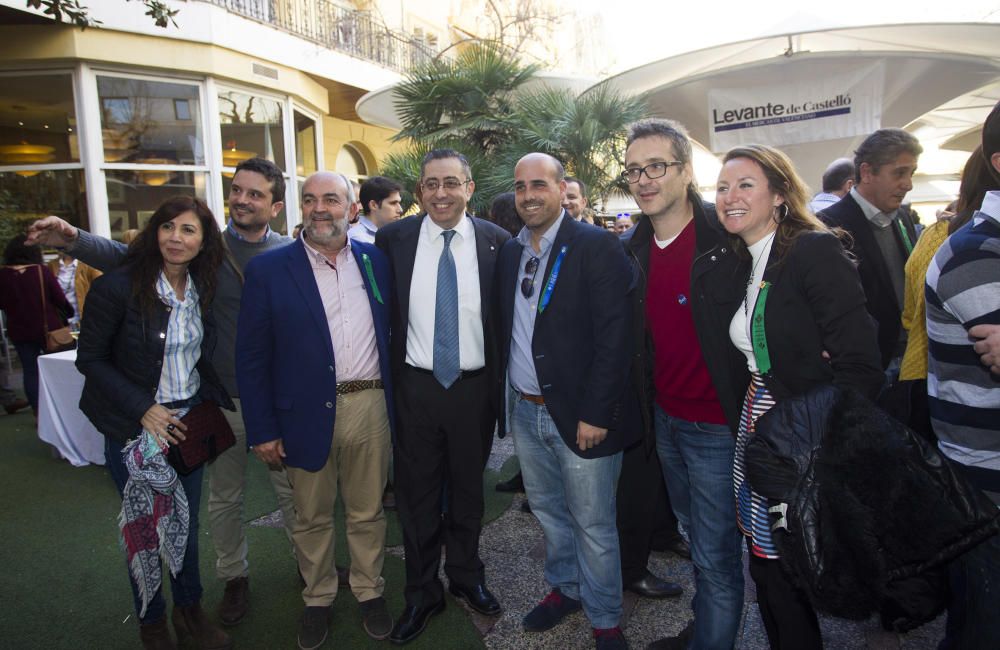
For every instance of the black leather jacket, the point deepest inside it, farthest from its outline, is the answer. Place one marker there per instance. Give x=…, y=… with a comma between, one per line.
x=120, y=354
x=871, y=512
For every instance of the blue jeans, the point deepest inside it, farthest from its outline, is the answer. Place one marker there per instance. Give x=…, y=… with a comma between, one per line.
x=574, y=500
x=697, y=460
x=28, y=354
x=972, y=622
x=186, y=585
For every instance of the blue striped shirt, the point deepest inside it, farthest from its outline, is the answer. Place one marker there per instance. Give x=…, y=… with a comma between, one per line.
x=963, y=290
x=178, y=378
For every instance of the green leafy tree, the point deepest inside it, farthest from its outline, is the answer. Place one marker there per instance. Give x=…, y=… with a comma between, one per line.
x=73, y=12
x=477, y=103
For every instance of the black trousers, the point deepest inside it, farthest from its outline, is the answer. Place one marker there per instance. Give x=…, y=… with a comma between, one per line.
x=789, y=618
x=443, y=440
x=644, y=511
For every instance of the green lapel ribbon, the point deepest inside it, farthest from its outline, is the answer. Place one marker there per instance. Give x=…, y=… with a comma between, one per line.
x=371, y=277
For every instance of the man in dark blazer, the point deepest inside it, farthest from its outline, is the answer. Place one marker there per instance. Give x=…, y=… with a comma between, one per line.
x=443, y=358
x=883, y=230
x=565, y=344
x=312, y=363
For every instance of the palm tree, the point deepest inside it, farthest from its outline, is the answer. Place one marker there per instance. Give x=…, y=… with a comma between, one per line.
x=469, y=97
x=476, y=104
x=586, y=133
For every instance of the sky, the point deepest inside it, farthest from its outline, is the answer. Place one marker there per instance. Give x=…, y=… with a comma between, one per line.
x=642, y=31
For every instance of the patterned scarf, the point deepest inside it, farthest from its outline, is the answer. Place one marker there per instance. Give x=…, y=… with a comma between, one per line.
x=154, y=518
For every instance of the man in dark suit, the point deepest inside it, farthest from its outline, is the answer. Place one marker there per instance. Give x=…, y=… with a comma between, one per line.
x=564, y=333
x=884, y=233
x=442, y=357
x=312, y=363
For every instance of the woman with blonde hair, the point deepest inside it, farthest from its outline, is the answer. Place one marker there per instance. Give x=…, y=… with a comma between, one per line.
x=815, y=330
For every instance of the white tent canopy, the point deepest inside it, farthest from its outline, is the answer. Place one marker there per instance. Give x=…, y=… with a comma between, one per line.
x=940, y=81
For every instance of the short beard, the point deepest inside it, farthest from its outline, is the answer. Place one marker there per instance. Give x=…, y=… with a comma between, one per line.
x=338, y=229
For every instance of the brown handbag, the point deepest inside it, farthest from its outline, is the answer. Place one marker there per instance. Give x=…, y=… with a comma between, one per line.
x=57, y=340
x=208, y=435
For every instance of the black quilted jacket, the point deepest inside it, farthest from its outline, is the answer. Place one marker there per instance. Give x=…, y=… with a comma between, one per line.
x=120, y=354
x=872, y=512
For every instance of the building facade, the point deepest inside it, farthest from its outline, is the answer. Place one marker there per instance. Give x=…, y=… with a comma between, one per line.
x=100, y=125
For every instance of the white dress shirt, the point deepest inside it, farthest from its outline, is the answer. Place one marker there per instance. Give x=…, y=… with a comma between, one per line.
x=423, y=295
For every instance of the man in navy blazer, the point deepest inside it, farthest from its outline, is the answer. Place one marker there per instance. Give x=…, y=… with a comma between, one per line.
x=312, y=363
x=564, y=330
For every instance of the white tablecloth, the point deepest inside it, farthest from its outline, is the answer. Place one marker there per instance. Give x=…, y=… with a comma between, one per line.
x=60, y=422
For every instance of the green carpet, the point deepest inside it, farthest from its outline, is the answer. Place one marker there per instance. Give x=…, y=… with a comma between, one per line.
x=65, y=584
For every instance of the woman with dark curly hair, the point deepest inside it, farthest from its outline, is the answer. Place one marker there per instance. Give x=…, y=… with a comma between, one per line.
x=815, y=330
x=145, y=350
x=34, y=303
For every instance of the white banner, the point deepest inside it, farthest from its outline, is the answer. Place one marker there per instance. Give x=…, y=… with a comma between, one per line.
x=842, y=105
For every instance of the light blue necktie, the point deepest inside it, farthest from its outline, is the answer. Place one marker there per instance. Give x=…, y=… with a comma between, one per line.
x=446, y=367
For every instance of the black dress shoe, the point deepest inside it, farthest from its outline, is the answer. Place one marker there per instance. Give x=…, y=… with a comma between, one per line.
x=478, y=598
x=680, y=547
x=412, y=622
x=676, y=545
x=515, y=484
x=679, y=642
x=649, y=586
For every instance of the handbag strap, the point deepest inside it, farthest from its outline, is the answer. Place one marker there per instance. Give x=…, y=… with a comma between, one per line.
x=45, y=315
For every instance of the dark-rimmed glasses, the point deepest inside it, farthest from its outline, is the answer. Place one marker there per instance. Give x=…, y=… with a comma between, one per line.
x=450, y=184
x=652, y=170
x=528, y=283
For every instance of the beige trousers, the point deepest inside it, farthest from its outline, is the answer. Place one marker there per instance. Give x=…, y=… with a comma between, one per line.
x=226, y=484
x=358, y=464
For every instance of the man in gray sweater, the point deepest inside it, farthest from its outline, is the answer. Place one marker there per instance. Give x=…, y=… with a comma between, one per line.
x=256, y=197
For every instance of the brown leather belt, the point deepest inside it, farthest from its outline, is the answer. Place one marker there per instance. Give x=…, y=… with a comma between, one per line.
x=534, y=399
x=355, y=385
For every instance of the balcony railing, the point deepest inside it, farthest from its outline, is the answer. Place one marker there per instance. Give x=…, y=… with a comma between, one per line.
x=335, y=27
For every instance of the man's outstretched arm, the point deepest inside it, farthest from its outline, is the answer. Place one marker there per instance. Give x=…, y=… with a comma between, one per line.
x=100, y=253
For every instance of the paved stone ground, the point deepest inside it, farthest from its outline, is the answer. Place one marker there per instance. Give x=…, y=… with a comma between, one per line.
x=512, y=547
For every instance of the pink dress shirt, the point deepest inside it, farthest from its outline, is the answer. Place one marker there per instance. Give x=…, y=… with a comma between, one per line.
x=348, y=313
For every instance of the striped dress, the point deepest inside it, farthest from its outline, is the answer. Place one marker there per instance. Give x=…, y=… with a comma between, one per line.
x=751, y=508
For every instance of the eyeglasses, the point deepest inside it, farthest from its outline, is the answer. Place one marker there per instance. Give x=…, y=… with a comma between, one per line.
x=652, y=170
x=528, y=283
x=450, y=184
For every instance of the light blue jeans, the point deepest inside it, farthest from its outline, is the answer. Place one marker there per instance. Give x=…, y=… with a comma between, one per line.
x=574, y=500
x=697, y=461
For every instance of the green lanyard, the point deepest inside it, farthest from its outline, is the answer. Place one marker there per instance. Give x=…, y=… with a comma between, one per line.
x=906, y=237
x=758, y=339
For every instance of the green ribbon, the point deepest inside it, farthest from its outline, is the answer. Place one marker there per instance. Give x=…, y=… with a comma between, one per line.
x=757, y=335
x=371, y=277
x=906, y=237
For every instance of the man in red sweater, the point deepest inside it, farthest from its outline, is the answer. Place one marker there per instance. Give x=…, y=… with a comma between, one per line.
x=676, y=242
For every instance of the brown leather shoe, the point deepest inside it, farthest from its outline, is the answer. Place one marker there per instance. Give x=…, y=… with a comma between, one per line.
x=190, y=621
x=156, y=636
x=235, y=601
